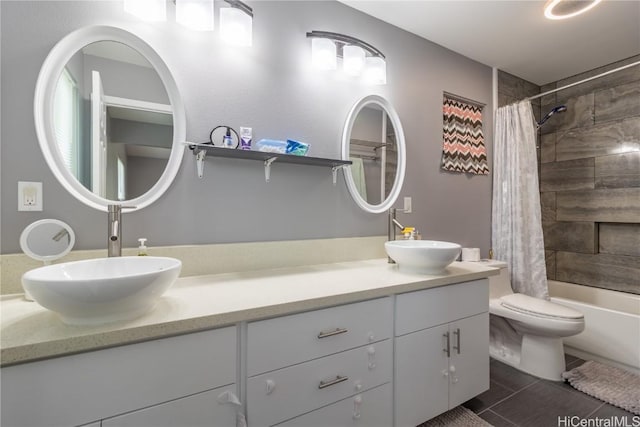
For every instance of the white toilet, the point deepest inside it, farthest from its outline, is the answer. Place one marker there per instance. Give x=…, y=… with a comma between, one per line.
x=534, y=344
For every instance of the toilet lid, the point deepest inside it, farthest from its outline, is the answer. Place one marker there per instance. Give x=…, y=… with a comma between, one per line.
x=538, y=307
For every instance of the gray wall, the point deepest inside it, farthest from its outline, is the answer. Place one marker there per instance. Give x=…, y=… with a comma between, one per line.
x=270, y=88
x=590, y=180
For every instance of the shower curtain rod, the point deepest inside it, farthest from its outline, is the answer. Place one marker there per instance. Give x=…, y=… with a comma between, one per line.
x=583, y=81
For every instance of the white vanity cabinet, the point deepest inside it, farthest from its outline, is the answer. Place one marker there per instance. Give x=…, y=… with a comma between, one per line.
x=299, y=363
x=88, y=387
x=441, y=350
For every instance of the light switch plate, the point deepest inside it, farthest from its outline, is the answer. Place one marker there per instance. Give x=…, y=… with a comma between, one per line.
x=29, y=196
x=407, y=205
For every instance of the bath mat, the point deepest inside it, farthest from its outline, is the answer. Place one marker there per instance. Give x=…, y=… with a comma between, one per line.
x=457, y=417
x=610, y=384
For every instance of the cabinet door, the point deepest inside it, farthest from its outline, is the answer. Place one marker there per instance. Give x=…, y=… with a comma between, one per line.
x=469, y=362
x=421, y=376
x=437, y=306
x=199, y=410
x=371, y=408
x=85, y=387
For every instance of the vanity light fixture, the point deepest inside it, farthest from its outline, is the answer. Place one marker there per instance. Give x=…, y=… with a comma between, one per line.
x=323, y=54
x=358, y=57
x=195, y=14
x=236, y=23
x=353, y=60
x=375, y=72
x=147, y=10
x=563, y=9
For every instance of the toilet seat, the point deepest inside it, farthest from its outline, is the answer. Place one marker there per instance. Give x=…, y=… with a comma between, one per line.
x=539, y=308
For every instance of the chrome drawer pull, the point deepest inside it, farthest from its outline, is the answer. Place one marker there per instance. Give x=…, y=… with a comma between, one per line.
x=338, y=380
x=457, y=334
x=447, y=349
x=336, y=331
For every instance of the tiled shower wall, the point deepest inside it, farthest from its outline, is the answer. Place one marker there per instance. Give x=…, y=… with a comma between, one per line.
x=590, y=178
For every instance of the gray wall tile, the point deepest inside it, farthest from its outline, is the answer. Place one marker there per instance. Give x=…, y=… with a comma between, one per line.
x=550, y=262
x=615, y=272
x=618, y=170
x=570, y=236
x=515, y=87
x=548, y=204
x=620, y=239
x=548, y=148
x=614, y=79
x=618, y=164
x=567, y=175
x=606, y=205
x=617, y=102
x=601, y=127
x=621, y=181
x=579, y=114
x=599, y=140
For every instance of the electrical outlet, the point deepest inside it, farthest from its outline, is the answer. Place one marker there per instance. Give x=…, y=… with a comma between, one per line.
x=407, y=205
x=29, y=196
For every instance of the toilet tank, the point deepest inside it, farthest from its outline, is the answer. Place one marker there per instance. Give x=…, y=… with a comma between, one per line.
x=499, y=285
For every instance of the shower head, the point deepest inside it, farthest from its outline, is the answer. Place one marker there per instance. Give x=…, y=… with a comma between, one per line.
x=554, y=110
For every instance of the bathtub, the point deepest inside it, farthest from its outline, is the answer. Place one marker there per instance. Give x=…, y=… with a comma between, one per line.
x=612, y=324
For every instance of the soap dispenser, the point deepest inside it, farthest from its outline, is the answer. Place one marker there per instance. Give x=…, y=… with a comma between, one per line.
x=142, y=249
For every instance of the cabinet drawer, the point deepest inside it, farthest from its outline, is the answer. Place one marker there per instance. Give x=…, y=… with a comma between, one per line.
x=85, y=387
x=284, y=341
x=286, y=393
x=199, y=410
x=371, y=408
x=431, y=307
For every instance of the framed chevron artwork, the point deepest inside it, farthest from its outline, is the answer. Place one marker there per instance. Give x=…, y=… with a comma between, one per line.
x=463, y=147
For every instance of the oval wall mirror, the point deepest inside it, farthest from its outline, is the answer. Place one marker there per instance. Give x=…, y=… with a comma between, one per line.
x=374, y=141
x=47, y=240
x=109, y=118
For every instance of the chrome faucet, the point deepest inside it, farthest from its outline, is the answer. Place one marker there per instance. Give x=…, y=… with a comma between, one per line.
x=393, y=223
x=391, y=229
x=114, y=231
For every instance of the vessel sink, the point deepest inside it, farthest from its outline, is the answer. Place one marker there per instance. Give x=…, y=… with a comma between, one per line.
x=102, y=290
x=422, y=256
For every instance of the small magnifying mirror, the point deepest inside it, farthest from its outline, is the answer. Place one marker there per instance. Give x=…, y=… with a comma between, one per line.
x=47, y=240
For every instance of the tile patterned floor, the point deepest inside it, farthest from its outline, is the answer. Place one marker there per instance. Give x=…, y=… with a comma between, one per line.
x=516, y=399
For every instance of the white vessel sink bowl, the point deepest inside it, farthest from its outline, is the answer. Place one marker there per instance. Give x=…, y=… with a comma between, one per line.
x=103, y=290
x=422, y=256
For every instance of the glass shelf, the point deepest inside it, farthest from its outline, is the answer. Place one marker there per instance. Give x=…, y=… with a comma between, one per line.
x=201, y=150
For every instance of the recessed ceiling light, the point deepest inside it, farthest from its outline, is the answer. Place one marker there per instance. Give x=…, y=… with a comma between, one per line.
x=562, y=9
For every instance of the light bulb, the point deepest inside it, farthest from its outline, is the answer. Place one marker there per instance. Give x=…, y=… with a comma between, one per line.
x=376, y=71
x=147, y=10
x=323, y=54
x=195, y=14
x=353, y=60
x=236, y=27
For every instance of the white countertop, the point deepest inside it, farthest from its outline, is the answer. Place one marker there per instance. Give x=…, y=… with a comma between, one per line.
x=30, y=332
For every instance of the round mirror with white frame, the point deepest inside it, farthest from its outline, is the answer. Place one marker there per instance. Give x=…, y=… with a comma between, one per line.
x=374, y=141
x=109, y=118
